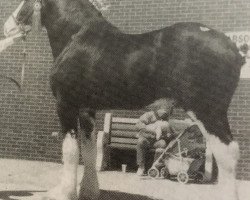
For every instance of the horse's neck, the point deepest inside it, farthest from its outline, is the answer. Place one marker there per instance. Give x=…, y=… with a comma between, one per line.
x=64, y=18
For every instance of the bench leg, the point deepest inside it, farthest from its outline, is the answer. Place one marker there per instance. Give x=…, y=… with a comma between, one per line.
x=102, y=158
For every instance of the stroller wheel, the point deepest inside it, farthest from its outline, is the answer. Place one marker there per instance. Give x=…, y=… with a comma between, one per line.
x=153, y=172
x=164, y=172
x=182, y=177
x=200, y=177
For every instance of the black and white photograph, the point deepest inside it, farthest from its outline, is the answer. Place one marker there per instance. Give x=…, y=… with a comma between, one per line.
x=124, y=99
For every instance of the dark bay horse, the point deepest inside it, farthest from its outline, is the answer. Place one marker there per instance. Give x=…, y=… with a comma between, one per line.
x=99, y=67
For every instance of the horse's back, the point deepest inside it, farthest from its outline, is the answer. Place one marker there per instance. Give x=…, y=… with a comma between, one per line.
x=202, y=68
x=116, y=70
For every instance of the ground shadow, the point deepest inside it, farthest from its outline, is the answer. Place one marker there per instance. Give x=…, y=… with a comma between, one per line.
x=115, y=195
x=104, y=195
x=13, y=195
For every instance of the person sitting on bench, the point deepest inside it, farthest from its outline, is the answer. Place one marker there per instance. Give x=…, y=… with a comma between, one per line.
x=151, y=126
x=156, y=130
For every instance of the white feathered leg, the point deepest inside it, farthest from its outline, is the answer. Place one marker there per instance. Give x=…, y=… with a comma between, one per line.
x=226, y=157
x=66, y=190
x=89, y=189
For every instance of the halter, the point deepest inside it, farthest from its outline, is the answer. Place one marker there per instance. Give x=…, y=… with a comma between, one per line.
x=38, y=4
x=36, y=8
x=36, y=18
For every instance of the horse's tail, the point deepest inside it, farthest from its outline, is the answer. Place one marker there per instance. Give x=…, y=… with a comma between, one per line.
x=13, y=80
x=244, y=51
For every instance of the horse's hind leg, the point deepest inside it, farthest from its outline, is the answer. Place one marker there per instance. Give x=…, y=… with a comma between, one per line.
x=89, y=185
x=216, y=130
x=66, y=189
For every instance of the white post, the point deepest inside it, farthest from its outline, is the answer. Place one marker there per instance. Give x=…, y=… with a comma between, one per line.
x=208, y=163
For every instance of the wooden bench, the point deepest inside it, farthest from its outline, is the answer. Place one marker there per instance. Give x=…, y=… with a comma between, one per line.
x=120, y=133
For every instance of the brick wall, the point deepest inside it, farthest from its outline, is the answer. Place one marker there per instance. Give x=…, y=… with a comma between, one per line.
x=28, y=118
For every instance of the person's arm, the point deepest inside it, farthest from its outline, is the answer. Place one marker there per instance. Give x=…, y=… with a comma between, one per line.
x=182, y=123
x=179, y=126
x=145, y=124
x=147, y=128
x=144, y=120
x=140, y=126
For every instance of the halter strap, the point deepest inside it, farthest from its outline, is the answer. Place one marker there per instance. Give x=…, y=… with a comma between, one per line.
x=15, y=20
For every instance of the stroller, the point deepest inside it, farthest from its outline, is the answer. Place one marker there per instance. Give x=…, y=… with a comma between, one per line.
x=182, y=163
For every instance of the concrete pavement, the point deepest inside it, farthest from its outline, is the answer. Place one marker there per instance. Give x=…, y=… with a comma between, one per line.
x=29, y=180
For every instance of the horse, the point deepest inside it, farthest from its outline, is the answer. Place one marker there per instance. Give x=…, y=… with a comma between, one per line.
x=97, y=66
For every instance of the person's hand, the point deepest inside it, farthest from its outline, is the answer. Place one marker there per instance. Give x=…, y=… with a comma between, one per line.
x=158, y=133
x=169, y=135
x=164, y=125
x=189, y=121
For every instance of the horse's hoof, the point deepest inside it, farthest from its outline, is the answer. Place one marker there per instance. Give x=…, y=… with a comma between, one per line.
x=59, y=193
x=60, y=197
x=89, y=195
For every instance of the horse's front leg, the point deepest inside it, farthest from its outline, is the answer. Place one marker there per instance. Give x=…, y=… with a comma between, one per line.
x=89, y=188
x=66, y=189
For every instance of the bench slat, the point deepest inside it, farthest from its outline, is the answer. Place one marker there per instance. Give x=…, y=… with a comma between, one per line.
x=122, y=146
x=123, y=140
x=124, y=120
x=126, y=147
x=124, y=134
x=125, y=127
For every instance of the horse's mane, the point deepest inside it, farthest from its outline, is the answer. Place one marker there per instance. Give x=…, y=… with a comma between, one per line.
x=79, y=10
x=99, y=4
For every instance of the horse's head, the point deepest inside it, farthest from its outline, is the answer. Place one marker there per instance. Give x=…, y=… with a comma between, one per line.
x=28, y=13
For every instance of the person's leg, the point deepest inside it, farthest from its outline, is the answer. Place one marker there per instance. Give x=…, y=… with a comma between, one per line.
x=142, y=148
x=159, y=146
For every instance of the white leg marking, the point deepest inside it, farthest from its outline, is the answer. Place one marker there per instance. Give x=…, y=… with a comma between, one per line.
x=226, y=157
x=66, y=190
x=89, y=186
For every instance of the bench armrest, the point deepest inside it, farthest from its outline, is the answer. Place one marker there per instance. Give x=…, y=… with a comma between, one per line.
x=102, y=138
x=101, y=144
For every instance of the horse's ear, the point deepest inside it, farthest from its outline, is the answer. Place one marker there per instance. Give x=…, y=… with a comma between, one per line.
x=43, y=2
x=36, y=23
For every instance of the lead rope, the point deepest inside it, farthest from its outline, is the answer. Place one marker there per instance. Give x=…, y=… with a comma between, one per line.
x=24, y=54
